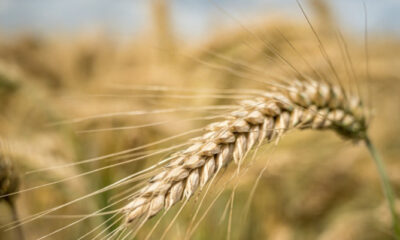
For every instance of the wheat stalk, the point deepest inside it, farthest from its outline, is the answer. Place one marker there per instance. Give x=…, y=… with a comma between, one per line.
x=305, y=104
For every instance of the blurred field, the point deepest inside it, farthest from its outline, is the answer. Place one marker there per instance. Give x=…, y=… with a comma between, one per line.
x=316, y=187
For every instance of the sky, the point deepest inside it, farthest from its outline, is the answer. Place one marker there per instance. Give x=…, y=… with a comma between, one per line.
x=191, y=18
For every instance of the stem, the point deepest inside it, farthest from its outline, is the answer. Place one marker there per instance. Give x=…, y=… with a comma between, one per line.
x=15, y=217
x=387, y=189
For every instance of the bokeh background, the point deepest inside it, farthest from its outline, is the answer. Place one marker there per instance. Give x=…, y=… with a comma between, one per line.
x=63, y=60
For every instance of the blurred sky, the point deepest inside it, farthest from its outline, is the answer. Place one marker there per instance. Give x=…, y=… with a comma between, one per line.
x=192, y=18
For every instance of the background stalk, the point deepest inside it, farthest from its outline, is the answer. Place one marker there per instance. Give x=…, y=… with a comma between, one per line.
x=15, y=217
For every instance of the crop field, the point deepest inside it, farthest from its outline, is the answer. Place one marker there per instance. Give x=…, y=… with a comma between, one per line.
x=256, y=130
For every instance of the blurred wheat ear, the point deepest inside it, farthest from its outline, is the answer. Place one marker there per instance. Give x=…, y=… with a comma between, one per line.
x=9, y=183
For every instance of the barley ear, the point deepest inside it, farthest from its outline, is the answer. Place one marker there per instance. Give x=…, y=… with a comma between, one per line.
x=309, y=105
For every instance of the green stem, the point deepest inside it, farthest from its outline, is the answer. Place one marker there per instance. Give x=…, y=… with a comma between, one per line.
x=387, y=189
